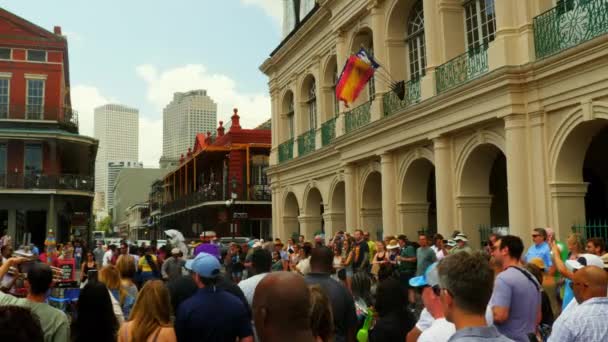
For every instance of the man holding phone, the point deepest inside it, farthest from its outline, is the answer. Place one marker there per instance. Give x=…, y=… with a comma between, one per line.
x=54, y=322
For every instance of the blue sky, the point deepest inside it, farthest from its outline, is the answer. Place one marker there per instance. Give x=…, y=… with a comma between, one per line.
x=139, y=52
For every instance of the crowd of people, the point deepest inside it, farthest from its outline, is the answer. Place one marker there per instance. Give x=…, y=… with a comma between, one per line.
x=346, y=288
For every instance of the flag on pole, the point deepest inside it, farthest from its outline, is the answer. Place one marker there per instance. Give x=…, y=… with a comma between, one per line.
x=358, y=70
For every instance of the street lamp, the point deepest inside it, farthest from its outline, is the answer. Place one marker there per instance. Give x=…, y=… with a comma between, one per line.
x=229, y=204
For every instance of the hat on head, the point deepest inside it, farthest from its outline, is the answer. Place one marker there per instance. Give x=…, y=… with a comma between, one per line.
x=451, y=243
x=258, y=244
x=538, y=262
x=429, y=278
x=205, y=265
x=461, y=237
x=251, y=243
x=175, y=251
x=392, y=244
x=584, y=260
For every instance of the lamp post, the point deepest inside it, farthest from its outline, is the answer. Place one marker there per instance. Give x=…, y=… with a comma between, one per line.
x=229, y=204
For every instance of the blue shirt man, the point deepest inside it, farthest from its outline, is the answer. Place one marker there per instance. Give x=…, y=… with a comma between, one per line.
x=540, y=249
x=211, y=314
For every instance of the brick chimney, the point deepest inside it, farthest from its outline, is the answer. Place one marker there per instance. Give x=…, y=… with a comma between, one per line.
x=220, y=130
x=236, y=125
x=208, y=139
x=57, y=30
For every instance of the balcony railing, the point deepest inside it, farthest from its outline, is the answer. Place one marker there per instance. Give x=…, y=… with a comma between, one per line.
x=260, y=192
x=306, y=143
x=328, y=131
x=357, y=117
x=570, y=23
x=66, y=116
x=462, y=69
x=46, y=181
x=286, y=151
x=393, y=104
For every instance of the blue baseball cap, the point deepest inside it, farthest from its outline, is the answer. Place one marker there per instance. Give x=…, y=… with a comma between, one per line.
x=205, y=265
x=429, y=278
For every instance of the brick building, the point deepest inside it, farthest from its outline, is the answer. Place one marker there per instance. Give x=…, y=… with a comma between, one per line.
x=220, y=184
x=46, y=167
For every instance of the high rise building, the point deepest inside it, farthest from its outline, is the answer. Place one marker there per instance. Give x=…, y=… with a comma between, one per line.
x=114, y=167
x=117, y=129
x=188, y=114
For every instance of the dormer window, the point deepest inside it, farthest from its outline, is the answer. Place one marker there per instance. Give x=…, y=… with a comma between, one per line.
x=36, y=55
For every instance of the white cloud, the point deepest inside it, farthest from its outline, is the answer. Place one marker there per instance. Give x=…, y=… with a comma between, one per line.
x=273, y=8
x=84, y=99
x=253, y=108
x=73, y=37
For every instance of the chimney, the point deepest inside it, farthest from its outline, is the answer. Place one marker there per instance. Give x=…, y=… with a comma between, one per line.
x=235, y=121
x=208, y=139
x=57, y=30
x=220, y=130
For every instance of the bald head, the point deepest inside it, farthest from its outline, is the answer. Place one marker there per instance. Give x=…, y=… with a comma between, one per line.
x=589, y=282
x=281, y=305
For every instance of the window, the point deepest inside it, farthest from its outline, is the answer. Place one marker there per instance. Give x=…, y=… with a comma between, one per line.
x=480, y=22
x=336, y=101
x=312, y=106
x=415, y=41
x=5, y=53
x=36, y=55
x=33, y=159
x=371, y=86
x=35, y=99
x=3, y=163
x=4, y=95
x=290, y=115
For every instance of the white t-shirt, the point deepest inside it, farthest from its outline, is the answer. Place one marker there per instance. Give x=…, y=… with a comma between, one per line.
x=440, y=331
x=304, y=266
x=425, y=321
x=438, y=252
x=107, y=258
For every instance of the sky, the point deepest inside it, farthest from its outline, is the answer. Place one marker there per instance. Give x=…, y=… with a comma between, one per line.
x=138, y=53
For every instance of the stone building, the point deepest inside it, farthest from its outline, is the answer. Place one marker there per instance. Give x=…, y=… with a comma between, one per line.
x=503, y=122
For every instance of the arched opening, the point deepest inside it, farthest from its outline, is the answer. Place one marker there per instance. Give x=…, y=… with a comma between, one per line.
x=483, y=199
x=291, y=212
x=580, y=189
x=371, y=208
x=406, y=52
x=334, y=218
x=312, y=220
x=418, y=207
x=287, y=115
x=364, y=39
x=309, y=105
x=331, y=105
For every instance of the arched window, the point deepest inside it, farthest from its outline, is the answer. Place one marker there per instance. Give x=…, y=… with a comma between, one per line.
x=312, y=106
x=336, y=101
x=415, y=41
x=480, y=22
x=290, y=118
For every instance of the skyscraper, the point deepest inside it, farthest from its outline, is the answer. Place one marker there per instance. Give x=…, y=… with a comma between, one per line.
x=114, y=167
x=117, y=128
x=188, y=114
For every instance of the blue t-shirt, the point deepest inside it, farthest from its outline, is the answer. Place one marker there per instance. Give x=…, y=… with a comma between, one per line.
x=212, y=315
x=521, y=294
x=541, y=251
x=568, y=293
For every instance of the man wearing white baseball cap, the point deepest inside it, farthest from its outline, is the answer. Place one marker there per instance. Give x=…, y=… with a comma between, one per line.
x=172, y=267
x=440, y=329
x=211, y=314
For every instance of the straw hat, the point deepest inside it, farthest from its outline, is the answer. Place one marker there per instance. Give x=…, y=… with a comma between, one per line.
x=393, y=244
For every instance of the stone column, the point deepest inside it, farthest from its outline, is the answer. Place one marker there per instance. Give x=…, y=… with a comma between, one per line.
x=309, y=226
x=334, y=222
x=277, y=225
x=444, y=186
x=350, y=195
x=277, y=122
x=389, y=205
x=539, y=194
x=432, y=45
x=414, y=216
x=517, y=174
x=378, y=24
x=341, y=56
x=473, y=212
x=568, y=201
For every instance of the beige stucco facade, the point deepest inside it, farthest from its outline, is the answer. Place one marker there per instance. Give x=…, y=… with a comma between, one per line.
x=504, y=148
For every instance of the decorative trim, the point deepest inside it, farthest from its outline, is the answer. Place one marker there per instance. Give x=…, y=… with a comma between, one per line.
x=35, y=76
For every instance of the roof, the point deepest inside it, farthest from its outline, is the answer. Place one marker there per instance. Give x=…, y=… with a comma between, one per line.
x=295, y=29
x=44, y=132
x=265, y=125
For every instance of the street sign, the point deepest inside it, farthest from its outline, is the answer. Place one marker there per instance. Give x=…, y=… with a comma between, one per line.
x=240, y=215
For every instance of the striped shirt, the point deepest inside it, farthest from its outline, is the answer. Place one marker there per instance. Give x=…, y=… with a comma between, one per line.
x=585, y=322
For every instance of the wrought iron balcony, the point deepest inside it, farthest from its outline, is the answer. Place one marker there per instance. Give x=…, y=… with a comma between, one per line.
x=393, y=104
x=462, y=69
x=328, y=131
x=286, y=151
x=34, y=181
x=357, y=117
x=260, y=192
x=66, y=116
x=306, y=143
x=570, y=23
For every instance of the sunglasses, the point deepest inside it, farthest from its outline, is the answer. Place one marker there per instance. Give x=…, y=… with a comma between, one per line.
x=535, y=235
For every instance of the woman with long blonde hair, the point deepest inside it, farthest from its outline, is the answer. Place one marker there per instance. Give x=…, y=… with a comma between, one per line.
x=121, y=300
x=151, y=316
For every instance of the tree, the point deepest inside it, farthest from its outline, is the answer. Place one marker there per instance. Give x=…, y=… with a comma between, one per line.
x=105, y=225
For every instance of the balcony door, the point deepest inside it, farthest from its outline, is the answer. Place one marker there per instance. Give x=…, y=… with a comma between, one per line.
x=32, y=167
x=3, y=165
x=35, y=99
